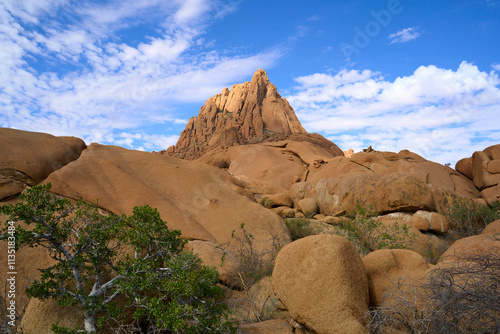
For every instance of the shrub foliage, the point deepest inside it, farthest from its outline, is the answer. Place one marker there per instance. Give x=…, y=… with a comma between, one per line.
x=103, y=256
x=469, y=218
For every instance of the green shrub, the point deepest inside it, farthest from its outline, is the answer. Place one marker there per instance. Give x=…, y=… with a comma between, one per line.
x=469, y=218
x=368, y=234
x=299, y=227
x=165, y=288
x=266, y=202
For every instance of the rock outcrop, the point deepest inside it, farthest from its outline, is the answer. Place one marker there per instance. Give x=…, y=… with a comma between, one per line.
x=248, y=113
x=202, y=201
x=27, y=158
x=279, y=164
x=391, y=182
x=486, y=173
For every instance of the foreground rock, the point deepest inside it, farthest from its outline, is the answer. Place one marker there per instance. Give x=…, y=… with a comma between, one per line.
x=322, y=282
x=27, y=158
x=394, y=274
x=200, y=200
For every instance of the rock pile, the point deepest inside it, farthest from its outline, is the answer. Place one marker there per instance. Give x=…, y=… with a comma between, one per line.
x=484, y=169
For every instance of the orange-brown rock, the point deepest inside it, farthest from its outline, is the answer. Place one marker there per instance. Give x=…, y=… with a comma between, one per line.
x=200, y=200
x=279, y=163
x=481, y=244
x=493, y=227
x=274, y=326
x=390, y=181
x=40, y=315
x=464, y=166
x=280, y=199
x=214, y=255
x=27, y=158
x=434, y=222
x=27, y=272
x=250, y=112
x=322, y=282
x=349, y=153
x=387, y=193
x=486, y=173
x=390, y=269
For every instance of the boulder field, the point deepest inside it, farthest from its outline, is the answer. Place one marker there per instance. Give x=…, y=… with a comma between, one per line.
x=239, y=169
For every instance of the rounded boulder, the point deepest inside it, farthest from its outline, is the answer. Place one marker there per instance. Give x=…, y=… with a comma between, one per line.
x=322, y=282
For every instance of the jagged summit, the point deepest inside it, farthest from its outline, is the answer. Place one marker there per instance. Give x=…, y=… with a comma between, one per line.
x=250, y=112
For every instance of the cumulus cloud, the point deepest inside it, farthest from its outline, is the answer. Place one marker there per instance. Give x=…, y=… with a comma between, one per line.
x=404, y=35
x=67, y=68
x=496, y=67
x=441, y=114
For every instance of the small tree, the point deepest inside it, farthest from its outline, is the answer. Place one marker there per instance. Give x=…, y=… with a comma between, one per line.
x=164, y=286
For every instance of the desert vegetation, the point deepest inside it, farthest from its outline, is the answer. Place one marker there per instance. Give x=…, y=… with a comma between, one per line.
x=469, y=218
x=463, y=297
x=102, y=258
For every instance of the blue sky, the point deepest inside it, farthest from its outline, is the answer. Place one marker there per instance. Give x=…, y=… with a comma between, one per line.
x=394, y=74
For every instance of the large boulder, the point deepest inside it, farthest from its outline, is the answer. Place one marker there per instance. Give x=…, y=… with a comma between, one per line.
x=387, y=193
x=486, y=173
x=322, y=282
x=395, y=273
x=202, y=201
x=27, y=158
x=280, y=163
x=464, y=166
x=389, y=181
x=40, y=315
x=471, y=247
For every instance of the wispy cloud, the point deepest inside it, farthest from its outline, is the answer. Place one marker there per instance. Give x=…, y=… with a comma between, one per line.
x=67, y=68
x=313, y=18
x=439, y=113
x=404, y=35
x=496, y=67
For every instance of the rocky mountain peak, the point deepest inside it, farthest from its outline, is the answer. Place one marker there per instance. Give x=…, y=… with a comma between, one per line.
x=250, y=112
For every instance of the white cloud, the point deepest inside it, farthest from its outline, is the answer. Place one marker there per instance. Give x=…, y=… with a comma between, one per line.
x=76, y=74
x=496, y=67
x=313, y=18
x=439, y=113
x=404, y=35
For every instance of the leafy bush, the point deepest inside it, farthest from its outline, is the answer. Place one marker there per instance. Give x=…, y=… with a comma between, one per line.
x=165, y=287
x=368, y=234
x=299, y=228
x=469, y=218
